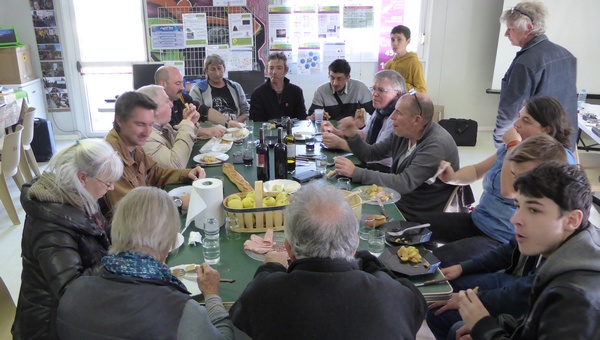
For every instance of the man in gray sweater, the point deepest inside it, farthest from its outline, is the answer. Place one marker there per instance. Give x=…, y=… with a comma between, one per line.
x=417, y=146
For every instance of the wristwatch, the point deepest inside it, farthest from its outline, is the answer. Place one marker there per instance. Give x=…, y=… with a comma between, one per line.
x=178, y=202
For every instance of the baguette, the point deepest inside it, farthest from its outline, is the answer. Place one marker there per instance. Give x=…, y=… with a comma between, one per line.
x=236, y=178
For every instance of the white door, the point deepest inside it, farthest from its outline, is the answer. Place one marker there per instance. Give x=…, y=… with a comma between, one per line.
x=101, y=42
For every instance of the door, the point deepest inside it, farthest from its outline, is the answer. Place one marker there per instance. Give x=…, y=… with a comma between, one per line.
x=108, y=37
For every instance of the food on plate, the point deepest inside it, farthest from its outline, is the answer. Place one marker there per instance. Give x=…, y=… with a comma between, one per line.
x=409, y=254
x=190, y=267
x=225, y=141
x=263, y=245
x=374, y=221
x=298, y=135
x=331, y=173
x=236, y=178
x=272, y=126
x=360, y=114
x=209, y=159
x=377, y=191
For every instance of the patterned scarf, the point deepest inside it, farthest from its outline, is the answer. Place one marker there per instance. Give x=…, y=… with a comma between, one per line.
x=378, y=116
x=129, y=263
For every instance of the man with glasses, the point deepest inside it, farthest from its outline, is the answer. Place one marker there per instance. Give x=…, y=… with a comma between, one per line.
x=341, y=96
x=417, y=146
x=388, y=86
x=277, y=97
x=540, y=68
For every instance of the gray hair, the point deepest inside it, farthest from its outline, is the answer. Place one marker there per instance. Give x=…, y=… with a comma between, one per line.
x=91, y=156
x=527, y=12
x=395, y=78
x=145, y=220
x=319, y=223
x=151, y=91
x=127, y=102
x=213, y=59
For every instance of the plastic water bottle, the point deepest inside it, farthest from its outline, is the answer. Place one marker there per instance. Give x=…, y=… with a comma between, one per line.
x=581, y=99
x=211, y=248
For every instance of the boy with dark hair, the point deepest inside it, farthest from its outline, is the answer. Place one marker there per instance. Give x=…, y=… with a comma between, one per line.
x=404, y=62
x=553, y=206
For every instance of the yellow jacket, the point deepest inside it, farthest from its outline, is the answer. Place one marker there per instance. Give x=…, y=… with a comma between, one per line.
x=411, y=69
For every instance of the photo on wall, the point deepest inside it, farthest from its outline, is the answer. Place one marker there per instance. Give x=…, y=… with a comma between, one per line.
x=43, y=19
x=52, y=69
x=50, y=52
x=37, y=5
x=46, y=35
x=57, y=98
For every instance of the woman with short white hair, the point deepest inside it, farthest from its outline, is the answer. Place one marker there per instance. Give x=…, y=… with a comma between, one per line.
x=64, y=235
x=136, y=296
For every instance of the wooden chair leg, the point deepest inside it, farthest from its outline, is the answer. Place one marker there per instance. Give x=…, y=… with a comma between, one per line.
x=33, y=162
x=24, y=167
x=7, y=201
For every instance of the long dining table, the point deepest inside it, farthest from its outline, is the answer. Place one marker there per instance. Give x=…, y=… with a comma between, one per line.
x=235, y=263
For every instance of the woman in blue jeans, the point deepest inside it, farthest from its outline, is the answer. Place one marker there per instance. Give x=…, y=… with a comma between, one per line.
x=466, y=235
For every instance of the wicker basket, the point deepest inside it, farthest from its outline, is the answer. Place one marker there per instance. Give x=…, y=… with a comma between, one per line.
x=356, y=202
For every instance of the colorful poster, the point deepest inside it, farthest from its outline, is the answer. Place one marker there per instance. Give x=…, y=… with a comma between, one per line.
x=359, y=16
x=167, y=37
x=304, y=23
x=229, y=3
x=309, y=58
x=240, y=59
x=240, y=30
x=283, y=48
x=329, y=22
x=333, y=51
x=196, y=33
x=392, y=15
x=280, y=24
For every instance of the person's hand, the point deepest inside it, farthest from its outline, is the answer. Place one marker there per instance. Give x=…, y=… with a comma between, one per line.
x=215, y=131
x=448, y=175
x=192, y=118
x=241, y=118
x=452, y=272
x=451, y=304
x=327, y=126
x=234, y=124
x=470, y=308
x=463, y=333
x=189, y=109
x=196, y=173
x=332, y=141
x=344, y=166
x=208, y=279
x=311, y=116
x=277, y=257
x=510, y=135
x=185, y=201
x=347, y=127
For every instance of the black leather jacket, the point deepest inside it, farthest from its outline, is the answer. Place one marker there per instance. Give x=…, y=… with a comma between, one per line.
x=60, y=243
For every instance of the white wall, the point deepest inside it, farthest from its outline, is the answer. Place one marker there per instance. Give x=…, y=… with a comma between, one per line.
x=461, y=37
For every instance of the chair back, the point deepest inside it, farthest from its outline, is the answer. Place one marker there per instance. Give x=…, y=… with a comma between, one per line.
x=7, y=311
x=11, y=152
x=27, y=136
x=461, y=199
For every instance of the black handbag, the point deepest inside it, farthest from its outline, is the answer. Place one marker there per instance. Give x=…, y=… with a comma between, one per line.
x=464, y=131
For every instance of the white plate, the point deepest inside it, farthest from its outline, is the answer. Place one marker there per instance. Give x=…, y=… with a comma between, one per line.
x=278, y=238
x=221, y=157
x=180, y=191
x=394, y=196
x=302, y=135
x=281, y=185
x=231, y=134
x=216, y=145
x=189, y=280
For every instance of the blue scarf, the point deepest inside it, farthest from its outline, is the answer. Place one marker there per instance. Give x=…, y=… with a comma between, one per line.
x=378, y=116
x=129, y=263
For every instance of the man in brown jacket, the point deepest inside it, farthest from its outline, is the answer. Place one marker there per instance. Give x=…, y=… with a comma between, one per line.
x=134, y=115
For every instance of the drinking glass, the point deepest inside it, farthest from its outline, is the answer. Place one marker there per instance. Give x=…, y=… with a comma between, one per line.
x=211, y=247
x=364, y=231
x=250, y=127
x=376, y=242
x=321, y=164
x=343, y=183
x=248, y=153
x=309, y=141
x=232, y=228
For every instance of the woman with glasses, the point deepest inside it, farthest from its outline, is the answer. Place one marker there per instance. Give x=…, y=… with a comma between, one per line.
x=64, y=235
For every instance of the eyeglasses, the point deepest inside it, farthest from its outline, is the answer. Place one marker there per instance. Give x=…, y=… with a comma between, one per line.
x=413, y=93
x=380, y=90
x=514, y=9
x=108, y=184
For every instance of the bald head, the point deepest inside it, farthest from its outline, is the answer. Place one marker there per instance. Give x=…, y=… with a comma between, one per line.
x=171, y=80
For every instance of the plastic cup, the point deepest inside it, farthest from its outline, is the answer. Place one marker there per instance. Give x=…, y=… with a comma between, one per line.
x=343, y=183
x=309, y=141
x=318, y=115
x=363, y=231
x=376, y=242
x=321, y=164
x=232, y=228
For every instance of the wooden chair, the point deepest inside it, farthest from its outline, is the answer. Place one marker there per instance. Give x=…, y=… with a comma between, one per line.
x=9, y=167
x=7, y=311
x=28, y=162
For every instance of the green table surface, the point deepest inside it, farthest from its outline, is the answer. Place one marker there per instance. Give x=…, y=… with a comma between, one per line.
x=235, y=264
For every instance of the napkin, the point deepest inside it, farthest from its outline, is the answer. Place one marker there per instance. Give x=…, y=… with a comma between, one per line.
x=206, y=201
x=195, y=238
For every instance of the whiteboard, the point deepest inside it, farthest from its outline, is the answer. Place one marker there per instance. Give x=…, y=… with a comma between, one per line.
x=572, y=24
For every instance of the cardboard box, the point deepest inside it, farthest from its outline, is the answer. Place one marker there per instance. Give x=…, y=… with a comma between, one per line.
x=438, y=113
x=15, y=65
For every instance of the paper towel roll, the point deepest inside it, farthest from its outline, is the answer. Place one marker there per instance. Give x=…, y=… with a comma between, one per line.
x=206, y=201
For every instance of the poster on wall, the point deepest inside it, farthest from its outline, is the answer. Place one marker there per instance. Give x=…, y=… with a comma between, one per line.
x=223, y=52
x=329, y=22
x=196, y=33
x=309, y=58
x=333, y=51
x=304, y=23
x=240, y=30
x=167, y=37
x=359, y=16
x=229, y=3
x=280, y=24
x=240, y=59
x=391, y=16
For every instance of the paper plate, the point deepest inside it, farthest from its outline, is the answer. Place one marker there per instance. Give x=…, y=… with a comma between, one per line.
x=221, y=157
x=189, y=280
x=302, y=135
x=281, y=185
x=392, y=195
x=216, y=145
x=180, y=191
x=278, y=238
x=234, y=134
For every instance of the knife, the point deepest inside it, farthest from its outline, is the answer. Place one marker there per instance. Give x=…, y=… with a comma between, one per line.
x=431, y=282
x=381, y=206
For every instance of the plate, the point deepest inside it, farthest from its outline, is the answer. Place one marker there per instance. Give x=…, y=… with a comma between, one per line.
x=302, y=135
x=410, y=238
x=179, y=241
x=221, y=157
x=216, y=145
x=278, y=122
x=334, y=150
x=180, y=191
x=393, y=195
x=234, y=134
x=281, y=185
x=189, y=280
x=390, y=259
x=278, y=238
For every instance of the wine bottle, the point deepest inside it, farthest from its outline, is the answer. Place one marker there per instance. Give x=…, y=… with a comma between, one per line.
x=290, y=141
x=280, y=156
x=262, y=158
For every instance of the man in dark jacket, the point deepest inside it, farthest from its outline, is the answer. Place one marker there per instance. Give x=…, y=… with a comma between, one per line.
x=329, y=291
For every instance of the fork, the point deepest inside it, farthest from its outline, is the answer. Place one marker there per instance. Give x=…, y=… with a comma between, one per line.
x=399, y=233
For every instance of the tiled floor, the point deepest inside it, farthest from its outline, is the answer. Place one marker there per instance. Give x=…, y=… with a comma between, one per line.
x=10, y=235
